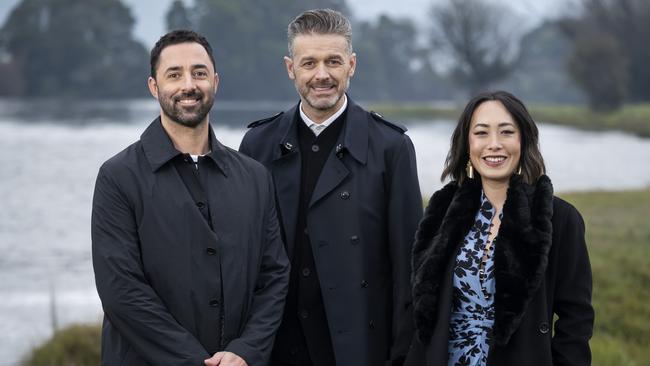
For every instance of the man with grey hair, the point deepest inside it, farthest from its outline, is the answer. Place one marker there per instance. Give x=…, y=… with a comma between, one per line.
x=349, y=200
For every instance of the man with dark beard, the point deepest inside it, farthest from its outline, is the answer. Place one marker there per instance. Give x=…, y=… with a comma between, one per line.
x=188, y=259
x=349, y=202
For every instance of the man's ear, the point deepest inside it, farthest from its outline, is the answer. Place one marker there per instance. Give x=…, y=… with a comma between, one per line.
x=288, y=62
x=353, y=63
x=216, y=82
x=153, y=87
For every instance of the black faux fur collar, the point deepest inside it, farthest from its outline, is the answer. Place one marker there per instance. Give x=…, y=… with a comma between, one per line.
x=521, y=253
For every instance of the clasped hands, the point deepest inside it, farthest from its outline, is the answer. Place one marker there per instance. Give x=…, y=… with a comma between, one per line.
x=225, y=359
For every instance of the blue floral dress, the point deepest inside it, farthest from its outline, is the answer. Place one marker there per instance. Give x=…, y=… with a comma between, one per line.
x=472, y=313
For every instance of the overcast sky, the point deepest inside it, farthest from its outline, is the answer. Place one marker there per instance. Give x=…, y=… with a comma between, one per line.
x=150, y=26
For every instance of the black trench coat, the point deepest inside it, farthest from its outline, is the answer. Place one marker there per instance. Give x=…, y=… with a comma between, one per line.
x=159, y=267
x=361, y=221
x=541, y=269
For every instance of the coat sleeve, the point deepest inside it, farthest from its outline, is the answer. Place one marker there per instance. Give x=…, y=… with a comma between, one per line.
x=130, y=304
x=572, y=304
x=256, y=341
x=245, y=147
x=405, y=212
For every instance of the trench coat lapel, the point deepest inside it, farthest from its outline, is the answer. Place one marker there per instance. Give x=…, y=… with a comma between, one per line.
x=286, y=175
x=354, y=142
x=355, y=134
x=334, y=172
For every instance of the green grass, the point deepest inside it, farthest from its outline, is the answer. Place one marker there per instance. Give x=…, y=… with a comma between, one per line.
x=633, y=118
x=618, y=237
x=77, y=345
x=409, y=111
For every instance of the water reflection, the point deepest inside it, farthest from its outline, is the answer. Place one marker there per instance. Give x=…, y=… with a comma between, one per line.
x=138, y=111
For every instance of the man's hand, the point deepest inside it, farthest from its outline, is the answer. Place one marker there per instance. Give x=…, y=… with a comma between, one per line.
x=225, y=359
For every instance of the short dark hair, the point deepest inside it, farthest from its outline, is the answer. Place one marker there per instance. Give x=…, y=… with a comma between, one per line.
x=320, y=21
x=175, y=37
x=531, y=161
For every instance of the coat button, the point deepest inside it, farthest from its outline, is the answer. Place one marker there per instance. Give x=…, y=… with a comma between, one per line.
x=304, y=314
x=200, y=204
x=305, y=231
x=214, y=303
x=364, y=283
x=288, y=146
x=339, y=151
x=354, y=239
x=345, y=195
x=306, y=272
x=211, y=251
x=315, y=148
x=371, y=324
x=544, y=328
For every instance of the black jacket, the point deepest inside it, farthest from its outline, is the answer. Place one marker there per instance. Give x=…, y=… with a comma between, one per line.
x=173, y=290
x=541, y=269
x=361, y=222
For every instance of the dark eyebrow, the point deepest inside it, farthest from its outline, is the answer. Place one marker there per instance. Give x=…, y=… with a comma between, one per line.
x=172, y=68
x=501, y=124
x=194, y=67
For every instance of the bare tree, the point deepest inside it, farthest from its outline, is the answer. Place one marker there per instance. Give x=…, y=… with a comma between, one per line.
x=599, y=69
x=479, y=37
x=610, y=51
x=178, y=16
x=628, y=22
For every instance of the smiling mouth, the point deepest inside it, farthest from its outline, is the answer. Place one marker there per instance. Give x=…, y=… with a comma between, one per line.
x=323, y=88
x=494, y=161
x=188, y=101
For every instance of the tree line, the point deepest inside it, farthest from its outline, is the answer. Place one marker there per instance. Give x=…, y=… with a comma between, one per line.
x=85, y=48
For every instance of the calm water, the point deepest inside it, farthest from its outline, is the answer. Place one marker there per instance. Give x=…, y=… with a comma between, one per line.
x=50, y=153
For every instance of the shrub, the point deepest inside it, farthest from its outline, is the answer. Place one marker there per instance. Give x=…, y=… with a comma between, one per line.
x=76, y=345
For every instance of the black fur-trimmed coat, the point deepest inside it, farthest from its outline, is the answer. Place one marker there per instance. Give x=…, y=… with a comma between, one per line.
x=541, y=269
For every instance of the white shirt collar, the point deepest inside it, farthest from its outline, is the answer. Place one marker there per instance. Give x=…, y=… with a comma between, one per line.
x=326, y=122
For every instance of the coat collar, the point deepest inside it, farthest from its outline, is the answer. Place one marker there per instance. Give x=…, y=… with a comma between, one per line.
x=521, y=250
x=159, y=149
x=353, y=139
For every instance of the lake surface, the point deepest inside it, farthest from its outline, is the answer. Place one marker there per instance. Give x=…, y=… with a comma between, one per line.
x=50, y=152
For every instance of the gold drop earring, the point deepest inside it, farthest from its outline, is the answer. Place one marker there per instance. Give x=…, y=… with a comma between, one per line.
x=469, y=169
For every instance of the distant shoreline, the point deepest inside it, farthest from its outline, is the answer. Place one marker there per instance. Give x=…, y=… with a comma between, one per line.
x=632, y=118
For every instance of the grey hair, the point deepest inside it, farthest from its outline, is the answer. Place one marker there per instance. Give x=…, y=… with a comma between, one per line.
x=320, y=21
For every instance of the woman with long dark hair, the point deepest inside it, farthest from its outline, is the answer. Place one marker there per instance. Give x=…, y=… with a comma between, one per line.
x=501, y=274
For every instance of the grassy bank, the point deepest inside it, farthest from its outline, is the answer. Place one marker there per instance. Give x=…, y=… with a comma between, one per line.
x=633, y=118
x=77, y=345
x=618, y=236
x=411, y=111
